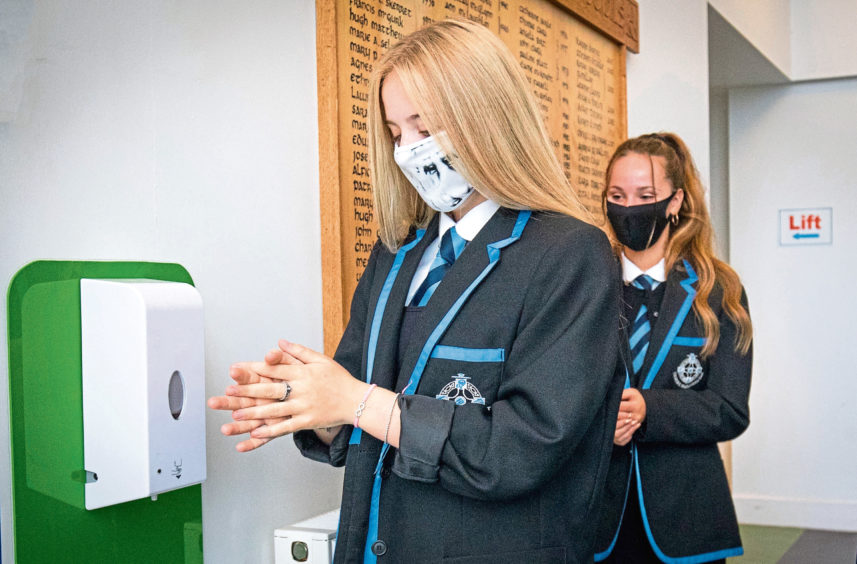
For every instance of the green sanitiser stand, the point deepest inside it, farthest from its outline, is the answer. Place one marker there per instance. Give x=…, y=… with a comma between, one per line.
x=51, y=523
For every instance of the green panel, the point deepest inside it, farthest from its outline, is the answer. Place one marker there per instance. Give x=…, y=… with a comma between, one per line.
x=54, y=467
x=46, y=424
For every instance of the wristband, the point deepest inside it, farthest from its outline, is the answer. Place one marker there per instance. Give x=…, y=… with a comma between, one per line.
x=390, y=417
x=362, y=406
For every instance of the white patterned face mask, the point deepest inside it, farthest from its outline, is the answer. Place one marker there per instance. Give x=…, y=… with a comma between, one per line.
x=426, y=166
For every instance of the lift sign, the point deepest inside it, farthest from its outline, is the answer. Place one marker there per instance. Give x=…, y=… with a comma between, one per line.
x=813, y=226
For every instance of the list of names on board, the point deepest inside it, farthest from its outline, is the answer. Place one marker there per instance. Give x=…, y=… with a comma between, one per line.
x=576, y=73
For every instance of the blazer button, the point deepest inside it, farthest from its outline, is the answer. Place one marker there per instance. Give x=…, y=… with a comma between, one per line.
x=379, y=548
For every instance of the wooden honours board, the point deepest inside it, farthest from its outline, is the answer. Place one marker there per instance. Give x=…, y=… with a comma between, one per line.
x=577, y=73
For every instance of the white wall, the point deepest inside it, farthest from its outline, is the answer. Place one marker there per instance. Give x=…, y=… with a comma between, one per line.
x=766, y=24
x=823, y=41
x=804, y=40
x=668, y=79
x=180, y=131
x=793, y=147
x=718, y=113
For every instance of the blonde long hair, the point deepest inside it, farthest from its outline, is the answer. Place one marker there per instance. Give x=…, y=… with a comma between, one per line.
x=465, y=83
x=693, y=237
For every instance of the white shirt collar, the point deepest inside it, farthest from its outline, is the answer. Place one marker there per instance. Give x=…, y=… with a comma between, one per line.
x=630, y=271
x=472, y=222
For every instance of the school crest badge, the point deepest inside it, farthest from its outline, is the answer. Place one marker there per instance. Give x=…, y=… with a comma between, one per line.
x=461, y=391
x=689, y=372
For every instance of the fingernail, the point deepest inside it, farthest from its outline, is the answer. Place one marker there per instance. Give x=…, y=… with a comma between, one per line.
x=237, y=415
x=230, y=390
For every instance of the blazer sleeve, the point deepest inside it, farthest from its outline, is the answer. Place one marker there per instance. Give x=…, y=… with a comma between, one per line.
x=349, y=354
x=718, y=413
x=557, y=374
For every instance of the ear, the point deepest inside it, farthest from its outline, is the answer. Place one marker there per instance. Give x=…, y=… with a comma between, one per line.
x=675, y=202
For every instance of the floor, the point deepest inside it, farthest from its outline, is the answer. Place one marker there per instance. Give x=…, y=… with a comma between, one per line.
x=781, y=545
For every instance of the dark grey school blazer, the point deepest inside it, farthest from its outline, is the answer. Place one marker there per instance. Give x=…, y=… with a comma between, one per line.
x=523, y=332
x=691, y=405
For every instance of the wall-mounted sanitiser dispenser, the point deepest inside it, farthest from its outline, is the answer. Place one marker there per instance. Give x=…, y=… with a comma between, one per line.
x=143, y=388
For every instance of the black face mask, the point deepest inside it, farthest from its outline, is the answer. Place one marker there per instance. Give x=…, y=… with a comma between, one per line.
x=637, y=227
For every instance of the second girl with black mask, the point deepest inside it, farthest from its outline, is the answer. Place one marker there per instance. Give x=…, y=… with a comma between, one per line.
x=689, y=339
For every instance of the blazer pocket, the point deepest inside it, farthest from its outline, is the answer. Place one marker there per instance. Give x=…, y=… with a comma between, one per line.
x=465, y=354
x=689, y=341
x=465, y=375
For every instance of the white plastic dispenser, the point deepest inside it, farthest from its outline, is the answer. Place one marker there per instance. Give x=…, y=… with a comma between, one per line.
x=143, y=388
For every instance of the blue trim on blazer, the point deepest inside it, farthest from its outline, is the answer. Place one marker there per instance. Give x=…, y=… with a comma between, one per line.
x=693, y=559
x=670, y=340
x=356, y=433
x=602, y=555
x=416, y=374
x=599, y=556
x=374, y=509
x=468, y=354
x=493, y=257
x=689, y=341
x=687, y=284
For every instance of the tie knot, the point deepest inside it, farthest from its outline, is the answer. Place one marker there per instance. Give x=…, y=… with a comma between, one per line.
x=644, y=282
x=451, y=245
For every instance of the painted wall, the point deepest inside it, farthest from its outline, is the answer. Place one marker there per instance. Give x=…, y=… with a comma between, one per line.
x=823, y=42
x=766, y=24
x=668, y=79
x=182, y=132
x=793, y=147
x=718, y=194
x=805, y=40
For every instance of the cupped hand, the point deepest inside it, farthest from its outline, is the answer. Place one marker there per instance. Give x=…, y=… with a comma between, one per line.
x=242, y=376
x=322, y=395
x=632, y=413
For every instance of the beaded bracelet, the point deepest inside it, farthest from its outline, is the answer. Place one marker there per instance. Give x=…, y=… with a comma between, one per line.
x=390, y=417
x=362, y=406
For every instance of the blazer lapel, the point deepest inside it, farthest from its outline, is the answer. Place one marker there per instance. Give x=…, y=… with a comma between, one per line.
x=389, y=325
x=676, y=304
x=467, y=268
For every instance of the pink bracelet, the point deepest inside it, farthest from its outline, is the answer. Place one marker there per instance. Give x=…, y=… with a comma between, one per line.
x=362, y=406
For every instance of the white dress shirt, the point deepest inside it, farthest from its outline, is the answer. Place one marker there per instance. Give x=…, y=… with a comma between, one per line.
x=630, y=271
x=467, y=228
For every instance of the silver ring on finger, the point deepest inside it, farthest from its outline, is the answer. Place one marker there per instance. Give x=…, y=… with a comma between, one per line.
x=287, y=391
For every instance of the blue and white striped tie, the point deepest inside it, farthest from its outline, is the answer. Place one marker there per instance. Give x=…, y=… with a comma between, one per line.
x=639, y=340
x=451, y=245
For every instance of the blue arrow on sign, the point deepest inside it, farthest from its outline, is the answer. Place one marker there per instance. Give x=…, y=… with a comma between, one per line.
x=806, y=235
